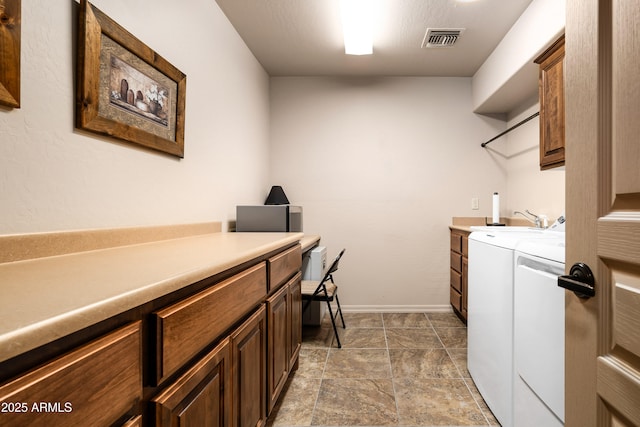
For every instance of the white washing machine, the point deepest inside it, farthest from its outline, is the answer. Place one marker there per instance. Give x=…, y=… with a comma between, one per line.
x=490, y=320
x=539, y=334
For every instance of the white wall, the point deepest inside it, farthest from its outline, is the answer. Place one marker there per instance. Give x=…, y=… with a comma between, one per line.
x=508, y=77
x=53, y=177
x=542, y=192
x=380, y=167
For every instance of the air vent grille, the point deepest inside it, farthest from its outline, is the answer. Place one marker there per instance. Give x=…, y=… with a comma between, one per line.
x=442, y=37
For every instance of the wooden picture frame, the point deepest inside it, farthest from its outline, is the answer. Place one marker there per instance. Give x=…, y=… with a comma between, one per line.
x=10, y=25
x=125, y=89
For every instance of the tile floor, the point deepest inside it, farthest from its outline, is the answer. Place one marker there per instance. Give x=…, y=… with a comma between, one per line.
x=394, y=369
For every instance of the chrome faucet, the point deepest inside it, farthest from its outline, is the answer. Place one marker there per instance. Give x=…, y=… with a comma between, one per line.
x=527, y=215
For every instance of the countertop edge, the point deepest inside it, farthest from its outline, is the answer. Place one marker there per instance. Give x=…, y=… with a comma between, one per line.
x=30, y=335
x=309, y=241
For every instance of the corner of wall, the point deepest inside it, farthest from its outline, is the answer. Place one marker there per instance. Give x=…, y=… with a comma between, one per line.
x=508, y=76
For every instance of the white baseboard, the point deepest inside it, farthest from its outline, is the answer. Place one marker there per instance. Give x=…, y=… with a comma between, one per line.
x=397, y=308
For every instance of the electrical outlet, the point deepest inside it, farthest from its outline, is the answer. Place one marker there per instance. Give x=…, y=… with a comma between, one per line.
x=475, y=203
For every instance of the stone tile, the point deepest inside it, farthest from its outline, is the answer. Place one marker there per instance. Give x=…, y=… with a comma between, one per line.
x=491, y=419
x=453, y=337
x=295, y=405
x=361, y=320
x=350, y=402
x=436, y=402
x=412, y=338
x=357, y=363
x=381, y=352
x=326, y=320
x=422, y=363
x=445, y=320
x=362, y=338
x=405, y=320
x=316, y=336
x=311, y=362
x=459, y=357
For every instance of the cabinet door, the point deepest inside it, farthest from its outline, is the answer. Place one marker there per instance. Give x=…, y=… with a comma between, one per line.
x=202, y=396
x=552, y=106
x=248, y=354
x=295, y=299
x=279, y=345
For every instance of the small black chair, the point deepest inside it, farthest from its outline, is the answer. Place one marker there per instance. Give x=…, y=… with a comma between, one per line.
x=325, y=290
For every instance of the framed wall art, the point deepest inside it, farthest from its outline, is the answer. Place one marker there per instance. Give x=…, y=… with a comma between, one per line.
x=125, y=89
x=10, y=22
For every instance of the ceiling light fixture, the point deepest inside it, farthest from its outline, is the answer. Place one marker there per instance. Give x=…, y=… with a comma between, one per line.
x=357, y=26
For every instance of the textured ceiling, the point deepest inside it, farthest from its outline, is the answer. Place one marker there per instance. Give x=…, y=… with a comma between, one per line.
x=304, y=37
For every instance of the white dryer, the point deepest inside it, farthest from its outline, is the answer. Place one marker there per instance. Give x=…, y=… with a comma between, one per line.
x=490, y=320
x=539, y=334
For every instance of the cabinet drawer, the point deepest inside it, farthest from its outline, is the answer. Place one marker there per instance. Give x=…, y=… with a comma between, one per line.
x=456, y=242
x=456, y=280
x=185, y=328
x=284, y=265
x=455, y=299
x=456, y=262
x=94, y=385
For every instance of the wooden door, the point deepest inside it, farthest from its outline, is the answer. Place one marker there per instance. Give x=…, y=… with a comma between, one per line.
x=603, y=211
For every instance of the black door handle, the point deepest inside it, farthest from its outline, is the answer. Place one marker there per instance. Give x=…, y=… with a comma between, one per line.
x=580, y=281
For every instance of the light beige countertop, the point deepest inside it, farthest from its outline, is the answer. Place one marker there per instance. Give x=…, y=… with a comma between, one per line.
x=465, y=223
x=50, y=297
x=309, y=241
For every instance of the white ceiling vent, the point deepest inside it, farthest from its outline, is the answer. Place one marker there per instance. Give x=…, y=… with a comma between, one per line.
x=441, y=37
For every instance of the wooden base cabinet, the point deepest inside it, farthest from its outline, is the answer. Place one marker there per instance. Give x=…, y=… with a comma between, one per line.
x=217, y=356
x=249, y=373
x=202, y=396
x=100, y=381
x=225, y=388
x=284, y=315
x=458, y=272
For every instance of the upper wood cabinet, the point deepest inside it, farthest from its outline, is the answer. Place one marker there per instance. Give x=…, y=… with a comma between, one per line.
x=551, y=88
